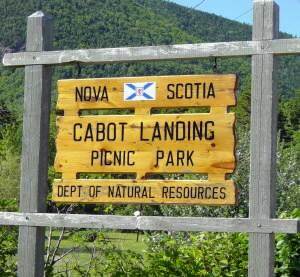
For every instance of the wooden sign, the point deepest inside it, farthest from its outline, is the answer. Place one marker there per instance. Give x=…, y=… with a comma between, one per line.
x=143, y=143
x=145, y=191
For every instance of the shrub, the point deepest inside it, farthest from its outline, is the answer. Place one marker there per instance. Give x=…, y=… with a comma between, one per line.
x=288, y=251
x=8, y=250
x=204, y=254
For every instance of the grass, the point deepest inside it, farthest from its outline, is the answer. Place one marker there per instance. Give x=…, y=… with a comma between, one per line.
x=124, y=241
x=82, y=248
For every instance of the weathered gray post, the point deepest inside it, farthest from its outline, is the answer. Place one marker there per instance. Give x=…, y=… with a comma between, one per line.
x=263, y=139
x=34, y=166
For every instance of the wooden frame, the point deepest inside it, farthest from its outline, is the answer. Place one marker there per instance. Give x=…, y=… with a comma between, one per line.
x=162, y=223
x=154, y=53
x=261, y=225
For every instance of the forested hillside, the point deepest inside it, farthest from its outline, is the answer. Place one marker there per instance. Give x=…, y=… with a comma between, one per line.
x=92, y=24
x=114, y=23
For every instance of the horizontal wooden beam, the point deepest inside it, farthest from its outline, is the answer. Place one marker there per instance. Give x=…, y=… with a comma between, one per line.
x=159, y=223
x=153, y=53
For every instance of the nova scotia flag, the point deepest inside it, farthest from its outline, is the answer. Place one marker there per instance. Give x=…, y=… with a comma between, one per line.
x=139, y=91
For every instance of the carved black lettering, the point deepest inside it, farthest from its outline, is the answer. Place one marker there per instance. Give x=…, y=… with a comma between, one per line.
x=222, y=193
x=72, y=190
x=60, y=191
x=87, y=94
x=209, y=134
x=179, y=192
x=123, y=189
x=66, y=191
x=100, y=136
x=104, y=95
x=111, y=131
x=75, y=127
x=208, y=193
x=215, y=193
x=170, y=159
x=145, y=193
x=106, y=159
x=186, y=192
x=137, y=191
x=180, y=130
x=78, y=94
x=159, y=156
x=130, y=162
x=111, y=190
x=89, y=133
x=180, y=157
x=122, y=124
x=188, y=130
x=188, y=91
x=211, y=91
x=142, y=133
x=130, y=192
x=91, y=94
x=193, y=192
x=118, y=192
x=97, y=93
x=98, y=190
x=91, y=191
x=172, y=192
x=197, y=130
x=117, y=158
x=178, y=95
x=79, y=190
x=94, y=156
x=169, y=131
x=156, y=132
x=200, y=192
x=197, y=89
x=171, y=92
x=189, y=158
x=164, y=192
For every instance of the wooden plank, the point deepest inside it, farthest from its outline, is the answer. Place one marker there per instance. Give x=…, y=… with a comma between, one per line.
x=184, y=143
x=208, y=224
x=159, y=223
x=35, y=147
x=153, y=53
x=140, y=143
x=170, y=91
x=189, y=192
x=146, y=143
x=263, y=139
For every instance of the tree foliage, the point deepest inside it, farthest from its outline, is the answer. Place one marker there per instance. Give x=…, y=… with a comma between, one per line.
x=115, y=23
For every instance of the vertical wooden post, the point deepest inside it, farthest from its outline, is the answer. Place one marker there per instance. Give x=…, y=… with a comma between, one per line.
x=34, y=165
x=263, y=139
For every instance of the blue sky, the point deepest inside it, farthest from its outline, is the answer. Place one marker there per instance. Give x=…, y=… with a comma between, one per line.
x=240, y=10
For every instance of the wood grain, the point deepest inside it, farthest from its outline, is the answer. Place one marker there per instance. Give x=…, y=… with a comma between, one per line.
x=262, y=190
x=212, y=155
x=146, y=143
x=34, y=165
x=224, y=92
x=158, y=223
x=154, y=53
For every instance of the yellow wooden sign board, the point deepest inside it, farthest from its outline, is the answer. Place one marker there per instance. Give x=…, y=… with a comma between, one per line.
x=171, y=92
x=143, y=143
x=145, y=191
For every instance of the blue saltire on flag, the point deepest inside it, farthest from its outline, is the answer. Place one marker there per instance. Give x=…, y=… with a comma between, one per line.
x=139, y=91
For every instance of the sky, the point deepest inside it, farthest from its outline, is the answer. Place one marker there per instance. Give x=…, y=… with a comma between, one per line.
x=241, y=10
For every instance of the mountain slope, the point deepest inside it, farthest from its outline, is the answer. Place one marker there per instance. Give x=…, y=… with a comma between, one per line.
x=114, y=23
